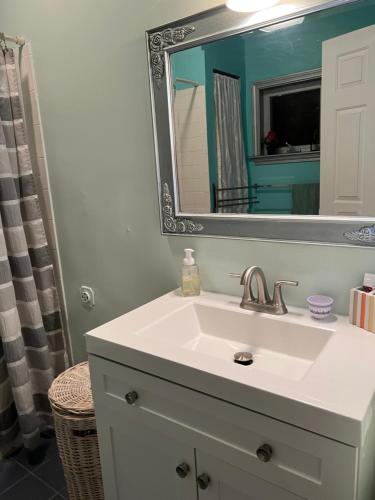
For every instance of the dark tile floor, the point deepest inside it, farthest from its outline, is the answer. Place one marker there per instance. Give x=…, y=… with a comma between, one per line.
x=21, y=481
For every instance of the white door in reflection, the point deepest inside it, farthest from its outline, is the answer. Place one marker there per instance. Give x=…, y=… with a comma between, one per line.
x=348, y=125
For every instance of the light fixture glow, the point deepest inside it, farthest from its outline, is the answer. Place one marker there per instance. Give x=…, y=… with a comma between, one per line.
x=284, y=25
x=250, y=5
x=273, y=13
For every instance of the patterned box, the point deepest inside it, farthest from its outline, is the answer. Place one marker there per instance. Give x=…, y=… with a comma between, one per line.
x=362, y=309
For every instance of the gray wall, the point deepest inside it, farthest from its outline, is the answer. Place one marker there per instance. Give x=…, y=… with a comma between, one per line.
x=91, y=68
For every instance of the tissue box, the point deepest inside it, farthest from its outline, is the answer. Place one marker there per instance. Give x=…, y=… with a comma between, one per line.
x=362, y=309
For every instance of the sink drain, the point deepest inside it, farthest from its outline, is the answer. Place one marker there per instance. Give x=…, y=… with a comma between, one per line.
x=243, y=358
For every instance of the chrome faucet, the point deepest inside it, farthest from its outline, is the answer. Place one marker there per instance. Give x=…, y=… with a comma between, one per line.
x=262, y=302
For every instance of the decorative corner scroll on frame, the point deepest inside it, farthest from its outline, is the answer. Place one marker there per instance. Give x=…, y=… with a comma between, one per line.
x=173, y=224
x=365, y=234
x=158, y=42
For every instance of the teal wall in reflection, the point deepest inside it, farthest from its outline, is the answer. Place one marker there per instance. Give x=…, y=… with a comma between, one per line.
x=283, y=52
x=267, y=56
x=264, y=55
x=189, y=64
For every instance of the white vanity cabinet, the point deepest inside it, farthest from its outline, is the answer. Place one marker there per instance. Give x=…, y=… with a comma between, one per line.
x=165, y=431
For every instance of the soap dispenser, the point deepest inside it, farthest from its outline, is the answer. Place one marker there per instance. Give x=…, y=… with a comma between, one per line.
x=190, y=282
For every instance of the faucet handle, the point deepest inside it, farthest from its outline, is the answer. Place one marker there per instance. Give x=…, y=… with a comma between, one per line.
x=278, y=300
x=279, y=283
x=234, y=275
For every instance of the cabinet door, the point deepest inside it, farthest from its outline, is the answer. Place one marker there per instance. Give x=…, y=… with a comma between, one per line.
x=139, y=461
x=227, y=482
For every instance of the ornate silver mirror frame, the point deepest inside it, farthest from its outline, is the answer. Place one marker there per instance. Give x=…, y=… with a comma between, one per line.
x=208, y=26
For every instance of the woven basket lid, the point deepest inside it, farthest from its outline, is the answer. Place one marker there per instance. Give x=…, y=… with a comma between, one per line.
x=70, y=392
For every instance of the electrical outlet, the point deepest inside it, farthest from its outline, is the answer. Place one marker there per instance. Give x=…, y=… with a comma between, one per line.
x=87, y=296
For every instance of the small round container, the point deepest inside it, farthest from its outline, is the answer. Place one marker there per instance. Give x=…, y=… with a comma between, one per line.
x=320, y=306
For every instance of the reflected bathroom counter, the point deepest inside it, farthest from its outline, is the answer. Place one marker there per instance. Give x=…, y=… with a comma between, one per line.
x=316, y=375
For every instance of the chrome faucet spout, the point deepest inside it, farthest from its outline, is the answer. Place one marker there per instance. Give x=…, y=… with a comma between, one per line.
x=262, y=301
x=246, y=280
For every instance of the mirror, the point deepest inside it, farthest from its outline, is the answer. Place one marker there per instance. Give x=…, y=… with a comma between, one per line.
x=278, y=120
x=264, y=122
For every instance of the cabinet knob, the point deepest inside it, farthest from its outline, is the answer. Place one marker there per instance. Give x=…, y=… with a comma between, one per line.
x=182, y=470
x=264, y=453
x=203, y=481
x=131, y=397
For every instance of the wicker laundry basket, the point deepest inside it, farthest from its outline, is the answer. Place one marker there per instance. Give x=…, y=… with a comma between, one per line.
x=73, y=409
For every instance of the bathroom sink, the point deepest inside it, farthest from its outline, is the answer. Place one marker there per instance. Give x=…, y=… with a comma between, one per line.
x=318, y=374
x=279, y=347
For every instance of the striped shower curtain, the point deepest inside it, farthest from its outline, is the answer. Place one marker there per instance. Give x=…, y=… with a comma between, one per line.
x=32, y=348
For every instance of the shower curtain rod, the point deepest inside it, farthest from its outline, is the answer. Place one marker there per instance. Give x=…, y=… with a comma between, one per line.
x=19, y=40
x=189, y=82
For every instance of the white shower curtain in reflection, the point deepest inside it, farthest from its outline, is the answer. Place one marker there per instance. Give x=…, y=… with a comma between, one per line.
x=231, y=160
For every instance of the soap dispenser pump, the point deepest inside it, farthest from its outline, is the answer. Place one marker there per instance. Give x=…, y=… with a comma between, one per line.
x=190, y=279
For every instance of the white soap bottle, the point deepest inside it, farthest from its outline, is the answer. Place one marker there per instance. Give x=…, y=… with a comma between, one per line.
x=190, y=279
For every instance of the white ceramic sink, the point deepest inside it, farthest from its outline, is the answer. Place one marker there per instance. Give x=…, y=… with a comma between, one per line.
x=281, y=348
x=314, y=374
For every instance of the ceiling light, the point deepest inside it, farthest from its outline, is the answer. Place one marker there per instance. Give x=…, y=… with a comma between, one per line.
x=250, y=5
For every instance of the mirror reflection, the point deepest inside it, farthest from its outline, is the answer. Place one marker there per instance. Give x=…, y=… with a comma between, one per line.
x=279, y=120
